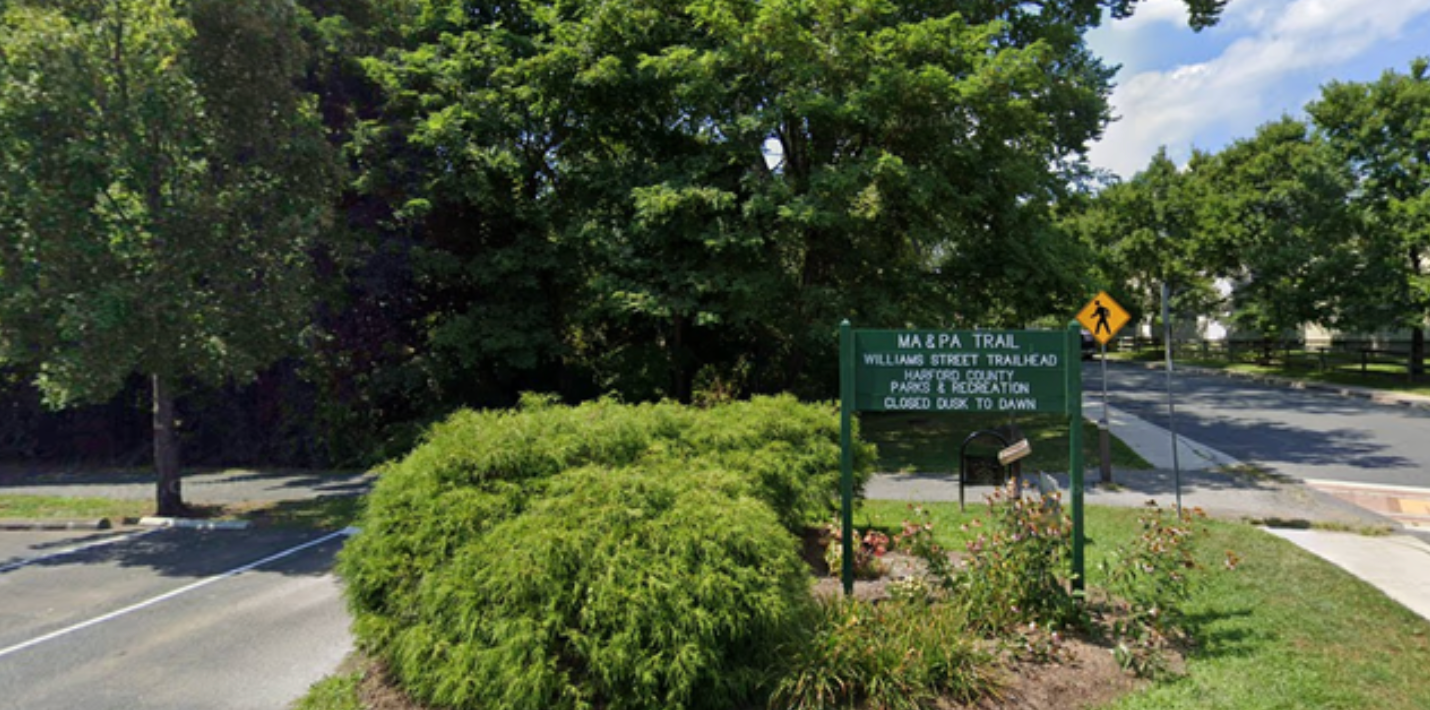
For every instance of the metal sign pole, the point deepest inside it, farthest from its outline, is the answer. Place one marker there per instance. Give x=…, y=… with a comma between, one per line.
x=846, y=454
x=1171, y=405
x=1103, y=433
x=1075, y=483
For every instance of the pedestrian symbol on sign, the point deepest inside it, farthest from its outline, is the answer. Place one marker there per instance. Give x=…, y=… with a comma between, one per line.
x=1101, y=313
x=1103, y=317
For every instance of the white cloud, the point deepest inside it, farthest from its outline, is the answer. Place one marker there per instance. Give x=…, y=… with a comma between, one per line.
x=1152, y=12
x=1285, y=41
x=1121, y=38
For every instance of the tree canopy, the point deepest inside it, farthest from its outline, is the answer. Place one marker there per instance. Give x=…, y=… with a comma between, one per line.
x=162, y=185
x=1144, y=232
x=1382, y=131
x=587, y=197
x=652, y=187
x=1273, y=221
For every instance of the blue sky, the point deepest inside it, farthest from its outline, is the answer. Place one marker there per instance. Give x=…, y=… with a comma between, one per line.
x=1266, y=58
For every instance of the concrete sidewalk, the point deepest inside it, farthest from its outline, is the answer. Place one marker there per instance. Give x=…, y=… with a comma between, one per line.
x=1398, y=564
x=1154, y=443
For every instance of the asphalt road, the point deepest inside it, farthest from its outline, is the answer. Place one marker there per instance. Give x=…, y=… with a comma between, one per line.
x=1304, y=434
x=167, y=619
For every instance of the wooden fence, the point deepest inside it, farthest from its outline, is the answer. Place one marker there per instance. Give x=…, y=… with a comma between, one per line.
x=1367, y=357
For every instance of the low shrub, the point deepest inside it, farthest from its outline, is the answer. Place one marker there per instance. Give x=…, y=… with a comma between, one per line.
x=1015, y=571
x=478, y=468
x=619, y=588
x=917, y=538
x=893, y=655
x=789, y=450
x=336, y=692
x=409, y=532
x=600, y=555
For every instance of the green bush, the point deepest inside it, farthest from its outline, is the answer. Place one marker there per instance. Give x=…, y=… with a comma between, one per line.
x=895, y=655
x=620, y=588
x=601, y=555
x=788, y=449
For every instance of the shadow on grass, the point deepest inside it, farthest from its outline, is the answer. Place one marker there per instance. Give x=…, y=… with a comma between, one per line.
x=930, y=443
x=1224, y=633
x=329, y=512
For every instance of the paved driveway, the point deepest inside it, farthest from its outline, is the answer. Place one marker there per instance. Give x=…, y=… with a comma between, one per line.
x=166, y=618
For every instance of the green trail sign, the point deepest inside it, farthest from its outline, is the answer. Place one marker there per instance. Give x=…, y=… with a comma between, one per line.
x=961, y=371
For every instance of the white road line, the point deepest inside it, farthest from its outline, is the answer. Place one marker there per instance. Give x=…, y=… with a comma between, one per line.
x=171, y=594
x=71, y=550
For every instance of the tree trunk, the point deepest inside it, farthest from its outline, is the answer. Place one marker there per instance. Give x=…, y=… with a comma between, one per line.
x=169, y=497
x=1417, y=352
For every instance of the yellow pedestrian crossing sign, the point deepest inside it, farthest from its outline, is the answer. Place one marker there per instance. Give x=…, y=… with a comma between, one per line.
x=1103, y=317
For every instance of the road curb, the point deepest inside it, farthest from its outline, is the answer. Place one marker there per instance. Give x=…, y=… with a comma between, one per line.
x=55, y=524
x=1376, y=396
x=193, y=523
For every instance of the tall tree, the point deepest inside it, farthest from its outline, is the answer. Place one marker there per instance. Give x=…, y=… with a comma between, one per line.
x=1273, y=219
x=1382, y=129
x=635, y=189
x=1144, y=232
x=161, y=186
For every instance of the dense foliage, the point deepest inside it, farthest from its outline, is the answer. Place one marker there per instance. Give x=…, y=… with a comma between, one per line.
x=602, y=555
x=651, y=188
x=639, y=197
x=1273, y=215
x=642, y=587
x=163, y=186
x=1381, y=130
x=1150, y=581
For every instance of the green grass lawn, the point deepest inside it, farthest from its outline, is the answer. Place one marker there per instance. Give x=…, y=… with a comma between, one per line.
x=929, y=443
x=56, y=507
x=326, y=513
x=1381, y=377
x=1284, y=630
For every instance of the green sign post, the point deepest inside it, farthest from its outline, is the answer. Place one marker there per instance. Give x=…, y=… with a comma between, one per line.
x=960, y=371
